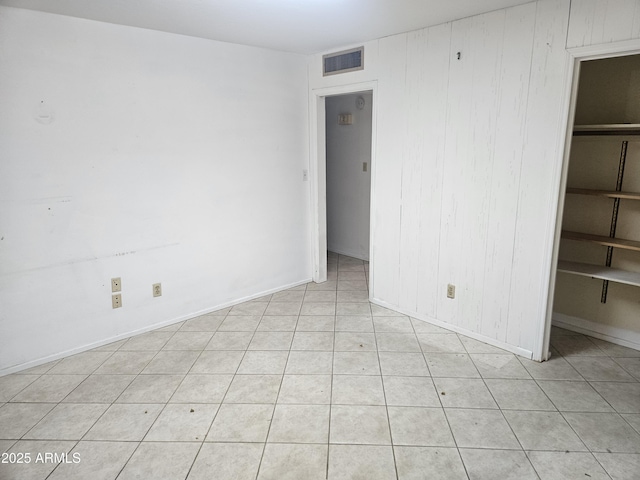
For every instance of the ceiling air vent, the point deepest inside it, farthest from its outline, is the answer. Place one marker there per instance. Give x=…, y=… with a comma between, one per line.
x=342, y=62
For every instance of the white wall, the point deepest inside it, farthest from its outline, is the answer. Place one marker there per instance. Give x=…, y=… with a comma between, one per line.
x=170, y=159
x=468, y=161
x=348, y=186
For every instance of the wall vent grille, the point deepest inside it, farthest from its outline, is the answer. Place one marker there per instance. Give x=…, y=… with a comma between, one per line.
x=343, y=62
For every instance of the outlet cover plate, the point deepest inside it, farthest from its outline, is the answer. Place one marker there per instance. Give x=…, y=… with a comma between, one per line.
x=116, y=284
x=116, y=301
x=157, y=289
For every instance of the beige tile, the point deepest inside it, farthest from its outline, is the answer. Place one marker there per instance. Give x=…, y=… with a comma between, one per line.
x=421, y=326
x=511, y=394
x=283, y=308
x=278, y=323
x=249, y=308
x=476, y=428
x=392, y=325
x=318, y=309
x=356, y=363
x=619, y=465
x=100, y=389
x=440, y=343
x=378, y=311
x=218, y=361
x=420, y=426
x=188, y=341
x=600, y=369
x=556, y=368
x=300, y=424
x=433, y=463
x=604, y=432
x=630, y=365
x=494, y=464
x=475, y=346
x=357, y=424
x=633, y=419
x=464, y=393
x=240, y=323
x=160, y=461
x=125, y=363
x=576, y=345
x=354, y=323
x=566, y=466
x=110, y=347
x=271, y=341
x=125, y=422
x=397, y=342
x=353, y=308
x=357, y=390
x=16, y=419
x=182, y=423
x=309, y=362
x=347, y=462
x=202, y=389
x=229, y=341
x=204, y=323
x=49, y=388
x=355, y=342
x=264, y=362
x=150, y=341
x=67, y=421
x=316, y=323
x=320, y=341
x=451, y=365
x=320, y=296
x=403, y=363
x=227, y=460
x=295, y=296
x=294, y=462
x=253, y=389
x=499, y=366
x=11, y=385
x=328, y=285
x=151, y=389
x=36, y=469
x=241, y=423
x=410, y=391
x=96, y=460
x=543, y=431
x=86, y=362
x=168, y=362
x=353, y=296
x=352, y=285
x=574, y=396
x=305, y=389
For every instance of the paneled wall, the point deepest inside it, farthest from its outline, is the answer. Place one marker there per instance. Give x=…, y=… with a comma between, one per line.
x=469, y=143
x=596, y=22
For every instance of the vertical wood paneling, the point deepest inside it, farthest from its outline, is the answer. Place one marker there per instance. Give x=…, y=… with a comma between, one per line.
x=390, y=136
x=594, y=22
x=507, y=157
x=535, y=224
x=434, y=65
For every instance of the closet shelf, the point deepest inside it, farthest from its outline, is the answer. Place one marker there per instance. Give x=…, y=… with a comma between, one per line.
x=605, y=193
x=601, y=240
x=607, y=129
x=601, y=272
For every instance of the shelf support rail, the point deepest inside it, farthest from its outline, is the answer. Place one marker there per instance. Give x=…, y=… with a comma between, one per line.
x=614, y=216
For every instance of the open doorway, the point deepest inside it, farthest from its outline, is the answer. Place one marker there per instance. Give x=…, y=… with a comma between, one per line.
x=348, y=161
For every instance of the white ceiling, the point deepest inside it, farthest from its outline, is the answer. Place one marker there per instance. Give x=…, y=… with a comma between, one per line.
x=301, y=26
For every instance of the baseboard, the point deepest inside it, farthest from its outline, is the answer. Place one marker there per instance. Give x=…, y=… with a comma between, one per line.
x=166, y=323
x=346, y=253
x=476, y=336
x=619, y=336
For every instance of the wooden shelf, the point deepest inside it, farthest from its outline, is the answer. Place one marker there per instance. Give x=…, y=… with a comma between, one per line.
x=607, y=129
x=605, y=193
x=601, y=272
x=606, y=241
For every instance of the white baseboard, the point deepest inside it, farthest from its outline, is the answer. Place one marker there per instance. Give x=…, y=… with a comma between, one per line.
x=166, y=323
x=619, y=336
x=476, y=336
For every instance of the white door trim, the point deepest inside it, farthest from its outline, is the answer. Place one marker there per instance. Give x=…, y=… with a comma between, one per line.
x=576, y=56
x=318, y=173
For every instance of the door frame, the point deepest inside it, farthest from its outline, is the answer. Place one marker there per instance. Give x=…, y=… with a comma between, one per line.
x=576, y=57
x=318, y=173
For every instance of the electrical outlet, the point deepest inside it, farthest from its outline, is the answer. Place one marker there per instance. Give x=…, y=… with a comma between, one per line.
x=116, y=301
x=157, y=289
x=451, y=291
x=116, y=284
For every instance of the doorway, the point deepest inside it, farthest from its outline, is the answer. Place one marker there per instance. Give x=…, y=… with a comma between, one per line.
x=580, y=58
x=348, y=127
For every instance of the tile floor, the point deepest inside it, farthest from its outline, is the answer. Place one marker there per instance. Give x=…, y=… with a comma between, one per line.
x=316, y=382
